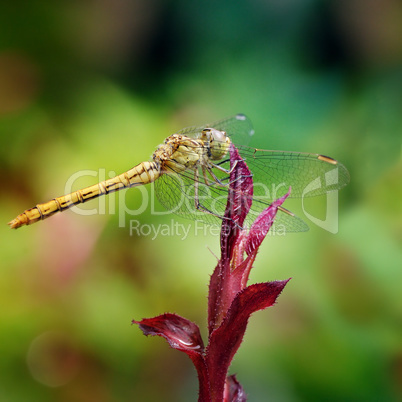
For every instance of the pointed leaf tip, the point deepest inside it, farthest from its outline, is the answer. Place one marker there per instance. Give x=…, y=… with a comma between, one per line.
x=259, y=229
x=226, y=339
x=251, y=299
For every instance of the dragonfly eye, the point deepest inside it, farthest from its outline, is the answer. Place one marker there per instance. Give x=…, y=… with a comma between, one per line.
x=219, y=143
x=217, y=135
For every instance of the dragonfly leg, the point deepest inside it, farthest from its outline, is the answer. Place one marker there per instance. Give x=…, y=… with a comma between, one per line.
x=212, y=174
x=196, y=175
x=197, y=203
x=217, y=166
x=216, y=179
x=226, y=171
x=198, y=206
x=222, y=162
x=233, y=181
x=204, y=173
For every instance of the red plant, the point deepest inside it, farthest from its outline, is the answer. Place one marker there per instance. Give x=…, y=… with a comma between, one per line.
x=230, y=301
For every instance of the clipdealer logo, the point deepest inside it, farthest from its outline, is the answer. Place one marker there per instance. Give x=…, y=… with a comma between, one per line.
x=329, y=223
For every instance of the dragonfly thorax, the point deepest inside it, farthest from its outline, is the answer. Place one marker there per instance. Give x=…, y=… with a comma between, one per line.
x=218, y=142
x=179, y=153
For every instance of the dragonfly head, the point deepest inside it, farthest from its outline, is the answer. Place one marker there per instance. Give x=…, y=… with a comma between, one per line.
x=218, y=142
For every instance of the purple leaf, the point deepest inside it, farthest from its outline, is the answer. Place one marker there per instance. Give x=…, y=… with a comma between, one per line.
x=234, y=392
x=181, y=333
x=225, y=340
x=261, y=225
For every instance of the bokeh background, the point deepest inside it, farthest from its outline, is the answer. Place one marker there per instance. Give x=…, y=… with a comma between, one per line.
x=96, y=85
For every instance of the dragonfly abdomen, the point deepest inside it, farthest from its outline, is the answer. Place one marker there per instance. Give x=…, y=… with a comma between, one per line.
x=143, y=173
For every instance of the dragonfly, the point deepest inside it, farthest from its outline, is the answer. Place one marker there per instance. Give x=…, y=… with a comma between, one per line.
x=191, y=174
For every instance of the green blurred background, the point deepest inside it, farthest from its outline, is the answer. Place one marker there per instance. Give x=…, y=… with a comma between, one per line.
x=97, y=85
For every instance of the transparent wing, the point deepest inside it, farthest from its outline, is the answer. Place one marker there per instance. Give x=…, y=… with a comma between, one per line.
x=238, y=128
x=273, y=173
x=176, y=191
x=307, y=174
